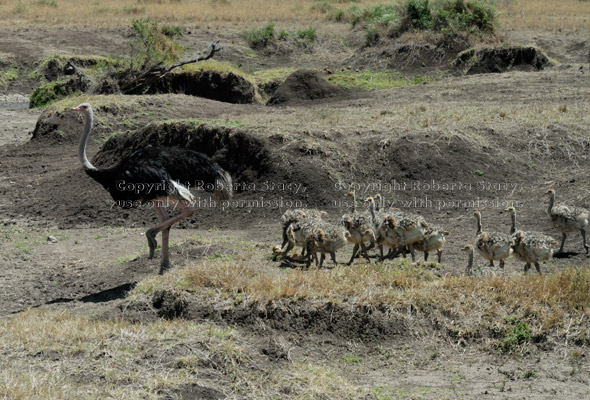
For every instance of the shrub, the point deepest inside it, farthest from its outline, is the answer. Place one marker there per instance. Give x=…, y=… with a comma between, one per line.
x=267, y=35
x=50, y=92
x=460, y=15
x=307, y=34
x=152, y=44
x=447, y=16
x=261, y=37
x=419, y=16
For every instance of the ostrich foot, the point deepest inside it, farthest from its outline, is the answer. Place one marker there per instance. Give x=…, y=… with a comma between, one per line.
x=164, y=265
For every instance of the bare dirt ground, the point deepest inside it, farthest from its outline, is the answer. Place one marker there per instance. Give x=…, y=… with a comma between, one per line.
x=503, y=137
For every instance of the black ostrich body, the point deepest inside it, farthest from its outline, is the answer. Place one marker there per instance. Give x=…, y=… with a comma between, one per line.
x=154, y=174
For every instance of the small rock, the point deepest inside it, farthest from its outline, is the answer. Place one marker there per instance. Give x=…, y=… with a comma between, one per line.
x=51, y=239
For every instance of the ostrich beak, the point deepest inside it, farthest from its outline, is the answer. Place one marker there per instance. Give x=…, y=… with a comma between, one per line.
x=76, y=108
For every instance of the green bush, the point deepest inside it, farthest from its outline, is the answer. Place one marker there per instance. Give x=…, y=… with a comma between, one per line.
x=461, y=15
x=419, y=15
x=261, y=37
x=307, y=34
x=152, y=44
x=447, y=16
x=49, y=92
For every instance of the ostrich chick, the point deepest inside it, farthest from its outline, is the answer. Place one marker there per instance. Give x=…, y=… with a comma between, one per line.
x=567, y=219
x=492, y=245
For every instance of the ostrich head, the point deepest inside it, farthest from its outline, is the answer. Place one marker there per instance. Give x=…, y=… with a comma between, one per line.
x=468, y=248
x=510, y=209
x=83, y=108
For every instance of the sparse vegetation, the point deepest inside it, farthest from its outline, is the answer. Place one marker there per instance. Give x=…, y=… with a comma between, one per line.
x=373, y=80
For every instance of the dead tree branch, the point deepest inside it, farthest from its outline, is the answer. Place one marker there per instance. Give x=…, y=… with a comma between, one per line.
x=139, y=81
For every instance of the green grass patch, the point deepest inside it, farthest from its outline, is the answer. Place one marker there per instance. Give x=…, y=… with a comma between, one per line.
x=517, y=333
x=8, y=74
x=90, y=64
x=49, y=93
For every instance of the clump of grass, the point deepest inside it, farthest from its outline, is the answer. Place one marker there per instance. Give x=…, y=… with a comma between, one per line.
x=261, y=37
x=307, y=34
x=8, y=74
x=518, y=333
x=50, y=92
x=267, y=35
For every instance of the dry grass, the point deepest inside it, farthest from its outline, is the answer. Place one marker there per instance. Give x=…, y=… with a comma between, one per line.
x=548, y=15
x=59, y=355
x=545, y=302
x=566, y=15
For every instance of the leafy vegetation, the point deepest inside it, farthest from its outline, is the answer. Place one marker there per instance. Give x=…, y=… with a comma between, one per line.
x=50, y=92
x=259, y=38
x=154, y=44
x=518, y=333
x=446, y=16
x=8, y=74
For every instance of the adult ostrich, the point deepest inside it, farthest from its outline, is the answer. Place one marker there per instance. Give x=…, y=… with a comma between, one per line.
x=160, y=175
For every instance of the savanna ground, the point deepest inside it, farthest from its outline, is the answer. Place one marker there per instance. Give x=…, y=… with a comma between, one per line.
x=84, y=314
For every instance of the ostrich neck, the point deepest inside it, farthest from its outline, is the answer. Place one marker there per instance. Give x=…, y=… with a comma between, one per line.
x=513, y=227
x=84, y=140
x=354, y=203
x=478, y=224
x=470, y=260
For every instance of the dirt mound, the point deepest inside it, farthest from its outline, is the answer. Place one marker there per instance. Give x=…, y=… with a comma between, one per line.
x=501, y=59
x=245, y=156
x=409, y=56
x=302, y=86
x=303, y=316
x=215, y=85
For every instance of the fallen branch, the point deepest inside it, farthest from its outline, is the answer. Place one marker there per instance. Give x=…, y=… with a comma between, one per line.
x=140, y=81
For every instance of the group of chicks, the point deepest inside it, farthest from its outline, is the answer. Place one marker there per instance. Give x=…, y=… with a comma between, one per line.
x=399, y=231
x=528, y=246
x=403, y=232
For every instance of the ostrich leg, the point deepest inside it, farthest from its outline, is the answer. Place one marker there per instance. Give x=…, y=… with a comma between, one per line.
x=186, y=211
x=563, y=237
x=163, y=214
